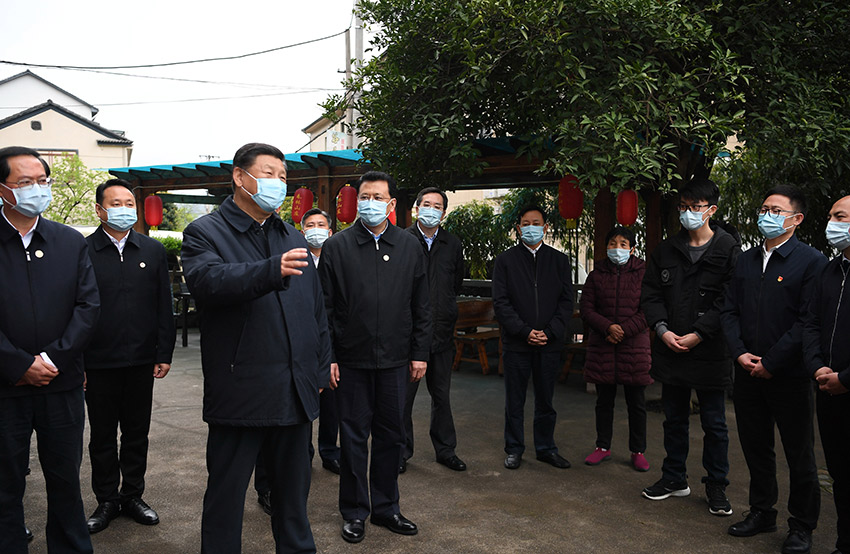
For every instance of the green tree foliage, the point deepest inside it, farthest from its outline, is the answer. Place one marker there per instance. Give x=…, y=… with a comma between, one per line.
x=483, y=239
x=622, y=93
x=73, y=192
x=174, y=217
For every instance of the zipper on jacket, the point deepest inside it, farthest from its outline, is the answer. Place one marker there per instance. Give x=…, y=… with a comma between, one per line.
x=32, y=296
x=536, y=300
x=835, y=321
x=616, y=311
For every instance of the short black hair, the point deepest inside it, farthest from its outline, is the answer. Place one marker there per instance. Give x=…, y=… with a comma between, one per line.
x=372, y=176
x=432, y=190
x=530, y=208
x=312, y=212
x=700, y=189
x=98, y=193
x=795, y=195
x=245, y=156
x=620, y=231
x=13, y=151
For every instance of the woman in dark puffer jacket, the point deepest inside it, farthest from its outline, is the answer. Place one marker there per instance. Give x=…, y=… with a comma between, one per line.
x=618, y=351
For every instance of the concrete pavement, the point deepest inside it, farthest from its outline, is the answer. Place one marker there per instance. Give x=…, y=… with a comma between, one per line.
x=487, y=509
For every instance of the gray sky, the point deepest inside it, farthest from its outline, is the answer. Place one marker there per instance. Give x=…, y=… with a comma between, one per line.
x=155, y=113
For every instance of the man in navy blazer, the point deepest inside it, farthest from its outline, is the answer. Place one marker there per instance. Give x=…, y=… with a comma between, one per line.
x=763, y=321
x=49, y=308
x=265, y=352
x=132, y=345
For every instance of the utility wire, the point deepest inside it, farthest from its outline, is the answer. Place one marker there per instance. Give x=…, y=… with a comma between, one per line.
x=167, y=64
x=230, y=83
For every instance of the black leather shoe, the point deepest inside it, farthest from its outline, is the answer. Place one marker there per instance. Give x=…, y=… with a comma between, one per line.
x=402, y=467
x=754, y=523
x=797, y=542
x=353, y=530
x=139, y=511
x=331, y=465
x=454, y=463
x=103, y=514
x=554, y=459
x=512, y=461
x=264, y=499
x=30, y=536
x=396, y=523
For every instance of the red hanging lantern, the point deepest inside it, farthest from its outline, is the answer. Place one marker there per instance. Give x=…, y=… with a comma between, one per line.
x=302, y=202
x=153, y=210
x=392, y=217
x=346, y=204
x=570, y=197
x=627, y=207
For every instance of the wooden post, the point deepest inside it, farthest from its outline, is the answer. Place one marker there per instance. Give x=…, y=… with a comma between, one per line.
x=603, y=211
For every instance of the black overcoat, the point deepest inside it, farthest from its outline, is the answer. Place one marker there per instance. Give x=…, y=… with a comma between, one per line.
x=50, y=304
x=376, y=294
x=136, y=325
x=264, y=340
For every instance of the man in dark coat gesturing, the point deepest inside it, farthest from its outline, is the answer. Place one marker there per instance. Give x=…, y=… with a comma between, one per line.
x=264, y=348
x=375, y=281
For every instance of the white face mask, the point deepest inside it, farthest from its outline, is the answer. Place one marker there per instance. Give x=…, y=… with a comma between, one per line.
x=838, y=234
x=316, y=236
x=691, y=220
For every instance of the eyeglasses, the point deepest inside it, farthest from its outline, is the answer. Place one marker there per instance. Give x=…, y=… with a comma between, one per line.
x=774, y=211
x=694, y=208
x=379, y=198
x=27, y=183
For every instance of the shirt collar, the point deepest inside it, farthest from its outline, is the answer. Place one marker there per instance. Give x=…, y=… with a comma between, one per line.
x=374, y=236
x=533, y=250
x=428, y=240
x=27, y=238
x=765, y=252
x=119, y=244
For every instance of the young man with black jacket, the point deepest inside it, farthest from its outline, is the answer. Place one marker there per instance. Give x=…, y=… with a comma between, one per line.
x=763, y=323
x=827, y=355
x=682, y=296
x=444, y=253
x=533, y=300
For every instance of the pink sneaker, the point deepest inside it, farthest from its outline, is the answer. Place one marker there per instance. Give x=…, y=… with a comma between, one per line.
x=597, y=457
x=639, y=462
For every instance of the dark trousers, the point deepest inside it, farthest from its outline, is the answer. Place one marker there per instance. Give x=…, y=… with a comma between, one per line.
x=328, y=427
x=58, y=419
x=370, y=402
x=636, y=403
x=119, y=397
x=715, y=444
x=834, y=425
x=542, y=368
x=231, y=457
x=438, y=377
x=787, y=403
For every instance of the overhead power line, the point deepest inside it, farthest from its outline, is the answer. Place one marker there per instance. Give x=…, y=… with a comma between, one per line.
x=168, y=64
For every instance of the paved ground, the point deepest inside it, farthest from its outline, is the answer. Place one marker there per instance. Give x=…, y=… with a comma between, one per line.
x=486, y=509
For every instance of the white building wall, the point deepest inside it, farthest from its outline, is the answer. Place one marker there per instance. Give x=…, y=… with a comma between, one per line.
x=27, y=91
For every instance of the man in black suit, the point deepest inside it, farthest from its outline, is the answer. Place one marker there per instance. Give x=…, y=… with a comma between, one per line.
x=827, y=355
x=375, y=281
x=445, y=277
x=48, y=311
x=533, y=301
x=264, y=349
x=132, y=345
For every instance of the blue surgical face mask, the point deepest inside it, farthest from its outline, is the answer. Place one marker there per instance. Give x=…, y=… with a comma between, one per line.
x=430, y=217
x=33, y=200
x=618, y=256
x=531, y=234
x=270, y=193
x=121, y=218
x=771, y=226
x=838, y=234
x=691, y=220
x=316, y=236
x=372, y=212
